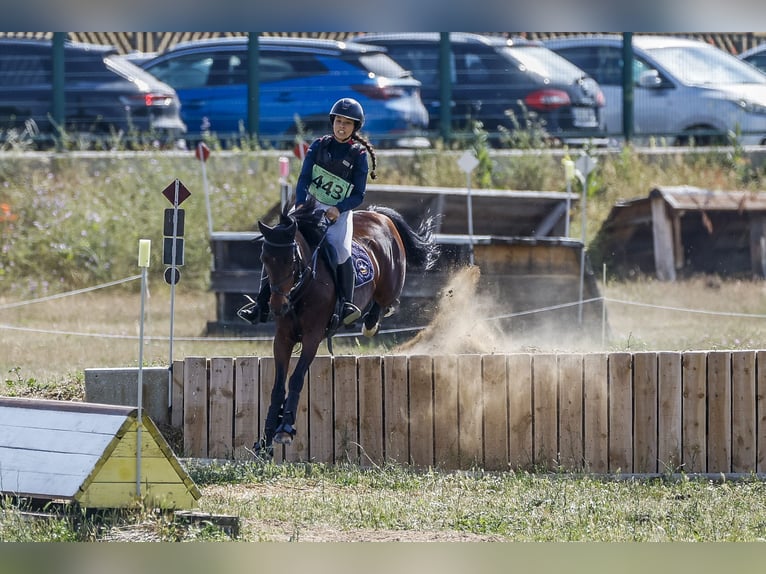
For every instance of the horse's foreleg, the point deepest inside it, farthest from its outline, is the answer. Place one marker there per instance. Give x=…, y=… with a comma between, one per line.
x=274, y=413
x=286, y=429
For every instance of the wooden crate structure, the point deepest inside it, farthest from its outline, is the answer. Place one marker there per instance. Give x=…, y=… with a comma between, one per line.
x=630, y=413
x=517, y=242
x=85, y=453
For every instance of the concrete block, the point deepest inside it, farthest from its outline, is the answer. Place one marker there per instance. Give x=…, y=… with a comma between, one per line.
x=119, y=386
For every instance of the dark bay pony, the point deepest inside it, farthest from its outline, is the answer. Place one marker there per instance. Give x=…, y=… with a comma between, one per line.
x=303, y=295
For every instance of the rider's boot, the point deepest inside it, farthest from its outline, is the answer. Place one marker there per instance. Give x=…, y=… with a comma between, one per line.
x=348, y=311
x=257, y=310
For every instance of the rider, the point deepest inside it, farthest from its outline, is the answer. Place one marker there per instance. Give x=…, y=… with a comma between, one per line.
x=334, y=171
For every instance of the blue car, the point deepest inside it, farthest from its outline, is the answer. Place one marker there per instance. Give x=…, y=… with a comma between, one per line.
x=299, y=80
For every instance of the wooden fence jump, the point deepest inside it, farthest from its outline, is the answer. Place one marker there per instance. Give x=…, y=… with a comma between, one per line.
x=643, y=412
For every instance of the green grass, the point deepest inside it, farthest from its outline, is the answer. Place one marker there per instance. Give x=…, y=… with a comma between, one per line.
x=314, y=502
x=77, y=224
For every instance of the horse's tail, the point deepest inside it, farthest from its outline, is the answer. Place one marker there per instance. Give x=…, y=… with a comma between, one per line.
x=421, y=249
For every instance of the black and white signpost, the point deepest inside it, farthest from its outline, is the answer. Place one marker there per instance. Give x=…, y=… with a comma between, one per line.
x=173, y=256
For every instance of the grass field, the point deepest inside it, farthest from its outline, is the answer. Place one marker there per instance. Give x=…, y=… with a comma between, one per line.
x=69, y=237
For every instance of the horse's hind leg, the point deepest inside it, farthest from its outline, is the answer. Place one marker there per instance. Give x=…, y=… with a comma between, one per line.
x=372, y=321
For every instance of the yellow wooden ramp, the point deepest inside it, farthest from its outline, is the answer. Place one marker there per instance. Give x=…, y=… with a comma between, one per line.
x=86, y=453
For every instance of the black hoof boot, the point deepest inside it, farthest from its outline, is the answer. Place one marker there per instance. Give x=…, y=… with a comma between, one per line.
x=285, y=433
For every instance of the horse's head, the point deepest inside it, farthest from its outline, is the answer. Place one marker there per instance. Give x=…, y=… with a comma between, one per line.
x=279, y=255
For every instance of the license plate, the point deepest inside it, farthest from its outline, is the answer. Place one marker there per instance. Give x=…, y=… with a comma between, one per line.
x=585, y=117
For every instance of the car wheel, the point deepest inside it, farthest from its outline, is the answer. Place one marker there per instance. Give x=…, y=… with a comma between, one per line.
x=701, y=136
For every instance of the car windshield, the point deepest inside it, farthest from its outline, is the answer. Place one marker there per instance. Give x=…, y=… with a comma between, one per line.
x=382, y=65
x=706, y=65
x=544, y=62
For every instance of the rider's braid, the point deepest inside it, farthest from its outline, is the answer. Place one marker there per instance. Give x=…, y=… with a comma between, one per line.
x=370, y=149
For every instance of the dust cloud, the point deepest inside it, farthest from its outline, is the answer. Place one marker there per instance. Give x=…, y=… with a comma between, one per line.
x=460, y=324
x=466, y=322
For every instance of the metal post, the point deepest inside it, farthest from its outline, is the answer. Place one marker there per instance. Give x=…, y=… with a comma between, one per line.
x=627, y=85
x=469, y=199
x=253, y=84
x=173, y=260
x=144, y=249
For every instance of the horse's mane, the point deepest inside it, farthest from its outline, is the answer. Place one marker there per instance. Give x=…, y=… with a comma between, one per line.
x=310, y=222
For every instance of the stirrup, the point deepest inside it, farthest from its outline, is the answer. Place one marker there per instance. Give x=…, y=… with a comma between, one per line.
x=350, y=313
x=253, y=312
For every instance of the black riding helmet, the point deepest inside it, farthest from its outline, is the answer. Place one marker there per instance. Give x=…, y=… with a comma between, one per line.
x=348, y=108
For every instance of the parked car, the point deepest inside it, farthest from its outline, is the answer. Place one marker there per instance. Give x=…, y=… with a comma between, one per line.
x=755, y=56
x=103, y=94
x=299, y=80
x=684, y=89
x=492, y=77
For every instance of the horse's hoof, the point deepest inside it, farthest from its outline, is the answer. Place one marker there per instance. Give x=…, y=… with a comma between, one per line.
x=371, y=332
x=285, y=433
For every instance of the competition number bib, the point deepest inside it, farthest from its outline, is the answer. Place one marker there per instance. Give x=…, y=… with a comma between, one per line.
x=328, y=187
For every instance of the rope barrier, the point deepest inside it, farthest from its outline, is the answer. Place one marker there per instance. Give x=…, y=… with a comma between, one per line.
x=337, y=335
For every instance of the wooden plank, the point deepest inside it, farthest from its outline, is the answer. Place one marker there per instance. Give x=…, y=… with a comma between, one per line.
x=620, y=412
x=421, y=413
x=54, y=440
x=346, y=415
x=221, y=408
x=267, y=369
x=470, y=411
x=645, y=396
x=446, y=428
x=246, y=421
x=545, y=401
x=122, y=495
x=662, y=236
x=298, y=450
x=694, y=373
x=123, y=469
x=760, y=358
x=596, y=412
x=195, y=407
x=396, y=417
x=571, y=433
x=82, y=422
x=177, y=395
x=719, y=411
x=743, y=409
x=669, y=419
x=371, y=410
x=495, y=401
x=320, y=389
x=520, y=414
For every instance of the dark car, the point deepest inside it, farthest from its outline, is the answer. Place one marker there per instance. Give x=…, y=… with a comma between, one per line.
x=299, y=80
x=494, y=76
x=104, y=95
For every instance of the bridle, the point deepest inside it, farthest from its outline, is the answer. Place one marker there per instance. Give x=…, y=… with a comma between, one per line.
x=300, y=271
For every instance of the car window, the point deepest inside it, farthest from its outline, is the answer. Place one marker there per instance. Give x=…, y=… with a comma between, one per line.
x=382, y=65
x=603, y=63
x=421, y=61
x=758, y=60
x=227, y=69
x=24, y=69
x=543, y=62
x=471, y=68
x=184, y=72
x=706, y=65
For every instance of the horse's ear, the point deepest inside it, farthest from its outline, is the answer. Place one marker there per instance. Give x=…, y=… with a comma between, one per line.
x=263, y=227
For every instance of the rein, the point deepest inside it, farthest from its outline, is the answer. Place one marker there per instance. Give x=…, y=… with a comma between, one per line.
x=301, y=271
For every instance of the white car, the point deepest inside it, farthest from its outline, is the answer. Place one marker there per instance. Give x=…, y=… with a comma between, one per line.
x=683, y=89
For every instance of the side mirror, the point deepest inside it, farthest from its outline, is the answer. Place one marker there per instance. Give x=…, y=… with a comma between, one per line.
x=650, y=79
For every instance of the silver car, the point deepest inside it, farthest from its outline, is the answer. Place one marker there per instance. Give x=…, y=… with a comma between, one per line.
x=683, y=88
